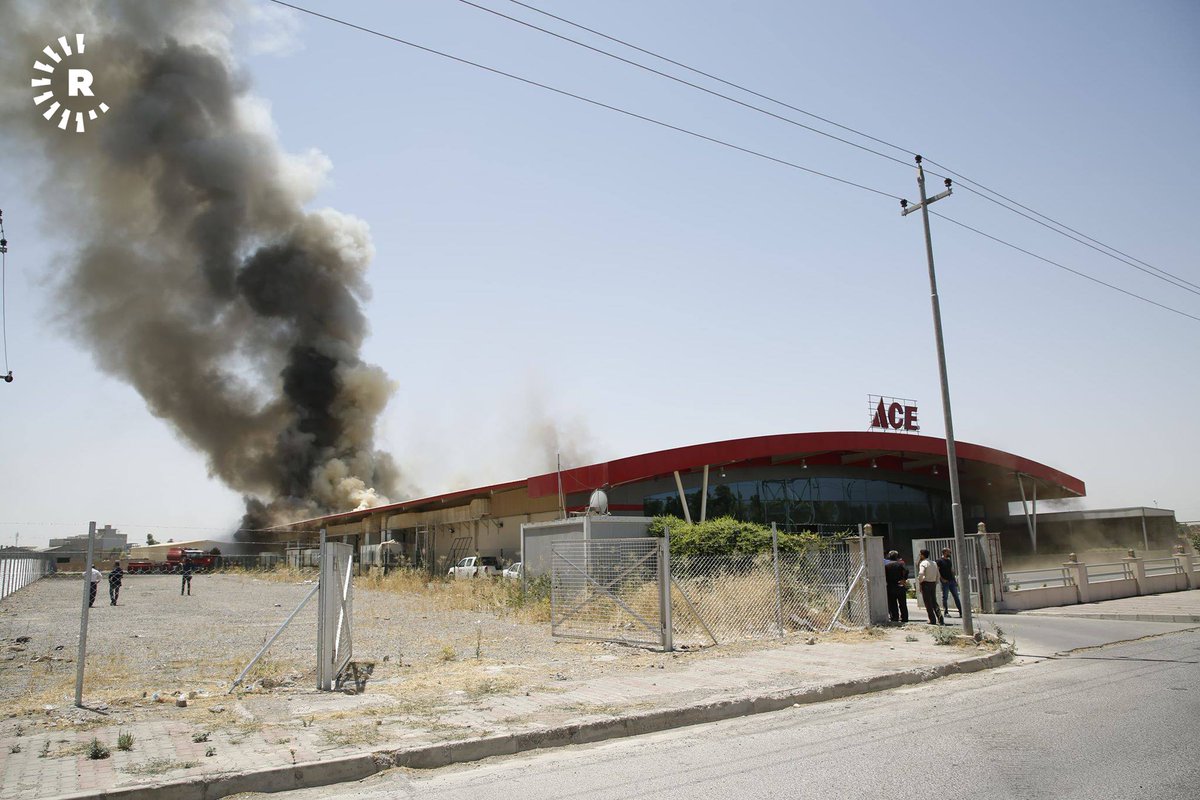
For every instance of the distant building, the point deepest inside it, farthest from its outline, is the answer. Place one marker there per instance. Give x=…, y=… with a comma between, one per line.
x=108, y=541
x=1137, y=528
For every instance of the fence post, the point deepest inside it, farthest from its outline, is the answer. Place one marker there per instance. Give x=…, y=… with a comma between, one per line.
x=778, y=587
x=664, y=587
x=1183, y=563
x=322, y=594
x=83, y=617
x=1138, y=567
x=1079, y=576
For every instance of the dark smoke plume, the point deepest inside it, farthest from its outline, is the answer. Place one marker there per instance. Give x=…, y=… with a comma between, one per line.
x=193, y=269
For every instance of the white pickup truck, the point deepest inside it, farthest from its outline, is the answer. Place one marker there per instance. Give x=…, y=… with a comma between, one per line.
x=487, y=567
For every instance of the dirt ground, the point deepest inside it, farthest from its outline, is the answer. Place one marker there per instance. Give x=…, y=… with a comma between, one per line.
x=428, y=655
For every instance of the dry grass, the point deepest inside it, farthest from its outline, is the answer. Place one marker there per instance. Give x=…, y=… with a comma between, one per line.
x=158, y=766
x=734, y=605
x=502, y=598
x=365, y=734
x=601, y=709
x=280, y=574
x=854, y=635
x=487, y=686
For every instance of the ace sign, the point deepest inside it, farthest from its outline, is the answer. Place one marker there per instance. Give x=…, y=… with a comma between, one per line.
x=893, y=414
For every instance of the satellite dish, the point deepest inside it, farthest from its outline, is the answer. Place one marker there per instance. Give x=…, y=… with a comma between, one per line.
x=598, y=503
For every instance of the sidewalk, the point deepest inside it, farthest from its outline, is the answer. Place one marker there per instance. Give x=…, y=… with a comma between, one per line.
x=1169, y=607
x=300, y=737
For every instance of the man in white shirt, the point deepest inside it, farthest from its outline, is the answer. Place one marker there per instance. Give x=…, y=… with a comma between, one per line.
x=927, y=580
x=94, y=577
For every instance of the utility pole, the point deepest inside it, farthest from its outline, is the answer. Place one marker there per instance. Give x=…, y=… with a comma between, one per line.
x=960, y=537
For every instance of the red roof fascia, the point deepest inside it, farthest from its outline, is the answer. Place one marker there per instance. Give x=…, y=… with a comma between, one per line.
x=665, y=462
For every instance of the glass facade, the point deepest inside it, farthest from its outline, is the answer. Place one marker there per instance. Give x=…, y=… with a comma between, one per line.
x=794, y=503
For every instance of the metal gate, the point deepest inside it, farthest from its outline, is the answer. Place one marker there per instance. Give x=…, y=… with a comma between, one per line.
x=972, y=566
x=611, y=590
x=335, y=607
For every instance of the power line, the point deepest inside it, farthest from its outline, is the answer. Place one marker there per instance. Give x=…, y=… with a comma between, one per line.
x=1061, y=225
x=1062, y=229
x=677, y=79
x=998, y=240
x=1179, y=283
x=714, y=140
x=730, y=84
x=597, y=103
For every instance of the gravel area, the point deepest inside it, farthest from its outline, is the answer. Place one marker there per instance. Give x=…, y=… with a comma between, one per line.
x=157, y=641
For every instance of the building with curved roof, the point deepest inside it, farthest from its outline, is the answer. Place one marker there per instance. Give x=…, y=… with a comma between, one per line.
x=822, y=481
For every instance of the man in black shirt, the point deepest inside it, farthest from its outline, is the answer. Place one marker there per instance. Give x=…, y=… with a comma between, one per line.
x=188, y=569
x=949, y=584
x=114, y=582
x=896, y=577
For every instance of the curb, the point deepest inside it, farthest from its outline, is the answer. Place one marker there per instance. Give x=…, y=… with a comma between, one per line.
x=1178, y=618
x=357, y=767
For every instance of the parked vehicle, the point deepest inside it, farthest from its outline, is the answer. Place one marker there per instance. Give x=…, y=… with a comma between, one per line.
x=512, y=572
x=201, y=562
x=487, y=567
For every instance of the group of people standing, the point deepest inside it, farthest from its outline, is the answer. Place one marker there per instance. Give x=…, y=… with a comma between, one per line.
x=116, y=575
x=930, y=572
x=114, y=583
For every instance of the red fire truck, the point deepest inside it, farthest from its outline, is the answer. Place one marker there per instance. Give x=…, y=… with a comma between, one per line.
x=201, y=562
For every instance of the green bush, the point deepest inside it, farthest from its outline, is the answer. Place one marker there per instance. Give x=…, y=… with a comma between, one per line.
x=727, y=536
x=97, y=750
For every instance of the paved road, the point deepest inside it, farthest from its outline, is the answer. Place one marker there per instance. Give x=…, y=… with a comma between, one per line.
x=1118, y=722
x=1048, y=635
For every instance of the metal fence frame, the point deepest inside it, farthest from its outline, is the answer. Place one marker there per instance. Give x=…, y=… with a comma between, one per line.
x=603, y=589
x=335, y=612
x=20, y=570
x=633, y=591
x=1101, y=573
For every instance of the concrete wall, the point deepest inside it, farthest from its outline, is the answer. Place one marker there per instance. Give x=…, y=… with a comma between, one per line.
x=1156, y=584
x=1047, y=597
x=1111, y=590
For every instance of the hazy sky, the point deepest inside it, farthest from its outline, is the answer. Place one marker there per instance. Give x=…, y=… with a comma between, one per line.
x=546, y=265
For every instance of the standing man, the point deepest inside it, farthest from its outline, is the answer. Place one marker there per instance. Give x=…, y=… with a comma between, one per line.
x=114, y=582
x=94, y=577
x=895, y=574
x=927, y=578
x=949, y=584
x=188, y=568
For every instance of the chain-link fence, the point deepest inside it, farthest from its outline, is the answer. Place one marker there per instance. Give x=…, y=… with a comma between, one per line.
x=71, y=563
x=612, y=590
x=723, y=598
x=607, y=590
x=19, y=570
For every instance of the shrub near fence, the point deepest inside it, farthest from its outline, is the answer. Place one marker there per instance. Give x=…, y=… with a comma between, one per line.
x=728, y=586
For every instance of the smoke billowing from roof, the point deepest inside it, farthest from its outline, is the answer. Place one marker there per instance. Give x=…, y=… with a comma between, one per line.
x=194, y=270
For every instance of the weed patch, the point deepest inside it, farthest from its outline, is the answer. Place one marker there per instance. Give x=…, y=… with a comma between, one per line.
x=158, y=766
x=355, y=735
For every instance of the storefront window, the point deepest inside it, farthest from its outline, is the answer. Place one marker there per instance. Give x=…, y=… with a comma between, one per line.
x=793, y=503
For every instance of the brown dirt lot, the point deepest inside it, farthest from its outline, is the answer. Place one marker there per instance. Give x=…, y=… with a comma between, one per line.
x=434, y=647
